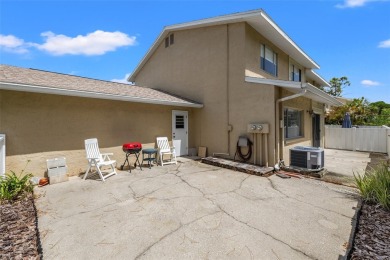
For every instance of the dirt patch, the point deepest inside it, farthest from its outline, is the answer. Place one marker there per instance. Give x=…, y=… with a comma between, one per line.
x=18, y=229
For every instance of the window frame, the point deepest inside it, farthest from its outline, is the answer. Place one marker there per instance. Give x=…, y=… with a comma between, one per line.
x=292, y=73
x=275, y=58
x=301, y=133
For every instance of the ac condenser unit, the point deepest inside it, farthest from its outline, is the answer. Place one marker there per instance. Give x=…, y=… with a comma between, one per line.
x=307, y=157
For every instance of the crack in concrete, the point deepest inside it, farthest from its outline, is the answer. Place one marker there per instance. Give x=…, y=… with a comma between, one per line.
x=242, y=222
x=263, y=232
x=172, y=232
x=304, y=202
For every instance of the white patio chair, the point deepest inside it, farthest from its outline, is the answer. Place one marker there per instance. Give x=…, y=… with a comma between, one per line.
x=165, y=149
x=97, y=159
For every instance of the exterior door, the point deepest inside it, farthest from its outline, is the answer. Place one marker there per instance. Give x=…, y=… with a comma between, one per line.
x=180, y=132
x=316, y=128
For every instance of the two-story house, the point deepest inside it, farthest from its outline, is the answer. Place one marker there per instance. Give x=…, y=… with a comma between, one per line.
x=243, y=68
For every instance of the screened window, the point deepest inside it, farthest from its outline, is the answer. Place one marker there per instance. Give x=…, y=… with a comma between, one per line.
x=293, y=123
x=268, y=60
x=296, y=74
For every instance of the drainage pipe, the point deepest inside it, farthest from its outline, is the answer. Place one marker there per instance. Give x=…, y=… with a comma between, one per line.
x=277, y=120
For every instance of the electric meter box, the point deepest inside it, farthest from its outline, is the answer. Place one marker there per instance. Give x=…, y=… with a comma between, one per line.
x=258, y=128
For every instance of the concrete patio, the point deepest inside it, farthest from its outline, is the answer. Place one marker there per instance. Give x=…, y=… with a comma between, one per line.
x=192, y=211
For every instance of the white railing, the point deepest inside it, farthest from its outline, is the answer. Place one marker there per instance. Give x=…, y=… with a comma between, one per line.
x=369, y=139
x=2, y=154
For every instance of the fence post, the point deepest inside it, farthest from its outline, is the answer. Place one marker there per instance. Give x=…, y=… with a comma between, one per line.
x=388, y=139
x=2, y=155
x=354, y=138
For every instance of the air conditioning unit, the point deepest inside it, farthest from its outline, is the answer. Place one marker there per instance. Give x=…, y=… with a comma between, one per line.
x=307, y=157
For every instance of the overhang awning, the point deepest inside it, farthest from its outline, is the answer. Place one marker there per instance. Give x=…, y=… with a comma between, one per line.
x=297, y=87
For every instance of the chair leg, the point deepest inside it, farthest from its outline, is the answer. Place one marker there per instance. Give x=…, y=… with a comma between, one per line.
x=174, y=156
x=113, y=169
x=86, y=173
x=100, y=173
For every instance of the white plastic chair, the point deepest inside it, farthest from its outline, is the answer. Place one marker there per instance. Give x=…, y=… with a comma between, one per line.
x=97, y=159
x=165, y=149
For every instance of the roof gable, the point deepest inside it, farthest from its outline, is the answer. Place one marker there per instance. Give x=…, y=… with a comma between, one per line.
x=258, y=19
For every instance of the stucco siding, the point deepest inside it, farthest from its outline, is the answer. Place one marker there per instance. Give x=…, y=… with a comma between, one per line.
x=195, y=67
x=41, y=126
x=253, y=41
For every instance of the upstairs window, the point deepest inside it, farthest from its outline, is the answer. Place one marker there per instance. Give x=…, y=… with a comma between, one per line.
x=293, y=123
x=296, y=73
x=268, y=60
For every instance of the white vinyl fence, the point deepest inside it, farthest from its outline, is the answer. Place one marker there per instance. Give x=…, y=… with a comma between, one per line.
x=2, y=155
x=362, y=138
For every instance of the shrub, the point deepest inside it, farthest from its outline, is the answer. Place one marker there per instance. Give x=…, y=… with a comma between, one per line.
x=374, y=186
x=13, y=186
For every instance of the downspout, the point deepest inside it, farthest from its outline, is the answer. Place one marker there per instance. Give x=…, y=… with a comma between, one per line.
x=277, y=120
x=229, y=127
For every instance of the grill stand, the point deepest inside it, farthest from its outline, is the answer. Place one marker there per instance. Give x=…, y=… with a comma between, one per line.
x=136, y=153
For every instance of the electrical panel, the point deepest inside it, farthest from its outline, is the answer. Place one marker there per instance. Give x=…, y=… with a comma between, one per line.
x=258, y=128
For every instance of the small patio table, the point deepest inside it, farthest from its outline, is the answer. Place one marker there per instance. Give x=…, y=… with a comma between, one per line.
x=151, y=156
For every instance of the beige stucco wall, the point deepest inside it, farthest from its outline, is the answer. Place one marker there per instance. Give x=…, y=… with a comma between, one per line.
x=195, y=67
x=207, y=65
x=41, y=126
x=253, y=41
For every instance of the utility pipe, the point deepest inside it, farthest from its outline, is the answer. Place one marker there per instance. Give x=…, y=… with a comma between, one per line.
x=277, y=119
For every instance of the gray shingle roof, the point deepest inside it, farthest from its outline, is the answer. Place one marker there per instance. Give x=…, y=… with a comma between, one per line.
x=36, y=80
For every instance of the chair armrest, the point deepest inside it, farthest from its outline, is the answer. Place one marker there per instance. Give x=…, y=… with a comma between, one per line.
x=106, y=156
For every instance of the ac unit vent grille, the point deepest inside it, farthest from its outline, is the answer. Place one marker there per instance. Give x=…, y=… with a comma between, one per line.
x=307, y=157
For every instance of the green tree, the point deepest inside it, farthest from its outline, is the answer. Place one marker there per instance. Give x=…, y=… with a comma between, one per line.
x=336, y=86
x=362, y=113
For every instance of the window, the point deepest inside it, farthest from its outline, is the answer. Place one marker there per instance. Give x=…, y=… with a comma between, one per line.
x=166, y=42
x=179, y=122
x=296, y=74
x=268, y=60
x=169, y=40
x=293, y=123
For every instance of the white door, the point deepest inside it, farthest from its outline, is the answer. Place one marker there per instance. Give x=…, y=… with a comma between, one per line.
x=180, y=132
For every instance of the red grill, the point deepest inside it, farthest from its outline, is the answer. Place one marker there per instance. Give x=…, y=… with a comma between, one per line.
x=132, y=147
x=129, y=149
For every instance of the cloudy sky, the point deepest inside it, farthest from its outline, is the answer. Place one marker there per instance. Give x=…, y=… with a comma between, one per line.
x=106, y=39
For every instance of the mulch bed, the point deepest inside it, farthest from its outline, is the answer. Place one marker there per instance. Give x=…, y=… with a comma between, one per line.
x=372, y=239
x=18, y=229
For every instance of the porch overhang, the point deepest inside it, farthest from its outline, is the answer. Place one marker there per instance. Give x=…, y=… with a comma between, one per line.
x=296, y=87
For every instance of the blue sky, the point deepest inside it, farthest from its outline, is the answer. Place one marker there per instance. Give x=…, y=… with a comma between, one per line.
x=106, y=39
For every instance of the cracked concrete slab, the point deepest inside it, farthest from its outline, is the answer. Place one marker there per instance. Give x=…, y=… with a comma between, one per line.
x=191, y=211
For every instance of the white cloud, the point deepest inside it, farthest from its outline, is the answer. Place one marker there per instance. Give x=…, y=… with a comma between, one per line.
x=12, y=43
x=384, y=44
x=356, y=3
x=369, y=83
x=95, y=43
x=124, y=80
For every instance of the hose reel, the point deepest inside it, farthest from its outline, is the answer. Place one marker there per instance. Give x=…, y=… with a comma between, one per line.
x=243, y=141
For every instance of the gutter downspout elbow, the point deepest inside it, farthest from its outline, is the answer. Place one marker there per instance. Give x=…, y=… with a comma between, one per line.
x=277, y=119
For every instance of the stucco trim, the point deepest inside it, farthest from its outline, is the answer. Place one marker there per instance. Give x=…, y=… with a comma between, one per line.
x=258, y=19
x=312, y=92
x=90, y=94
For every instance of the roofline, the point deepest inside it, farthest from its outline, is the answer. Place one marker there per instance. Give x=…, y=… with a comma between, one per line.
x=90, y=94
x=296, y=86
x=326, y=83
x=215, y=21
